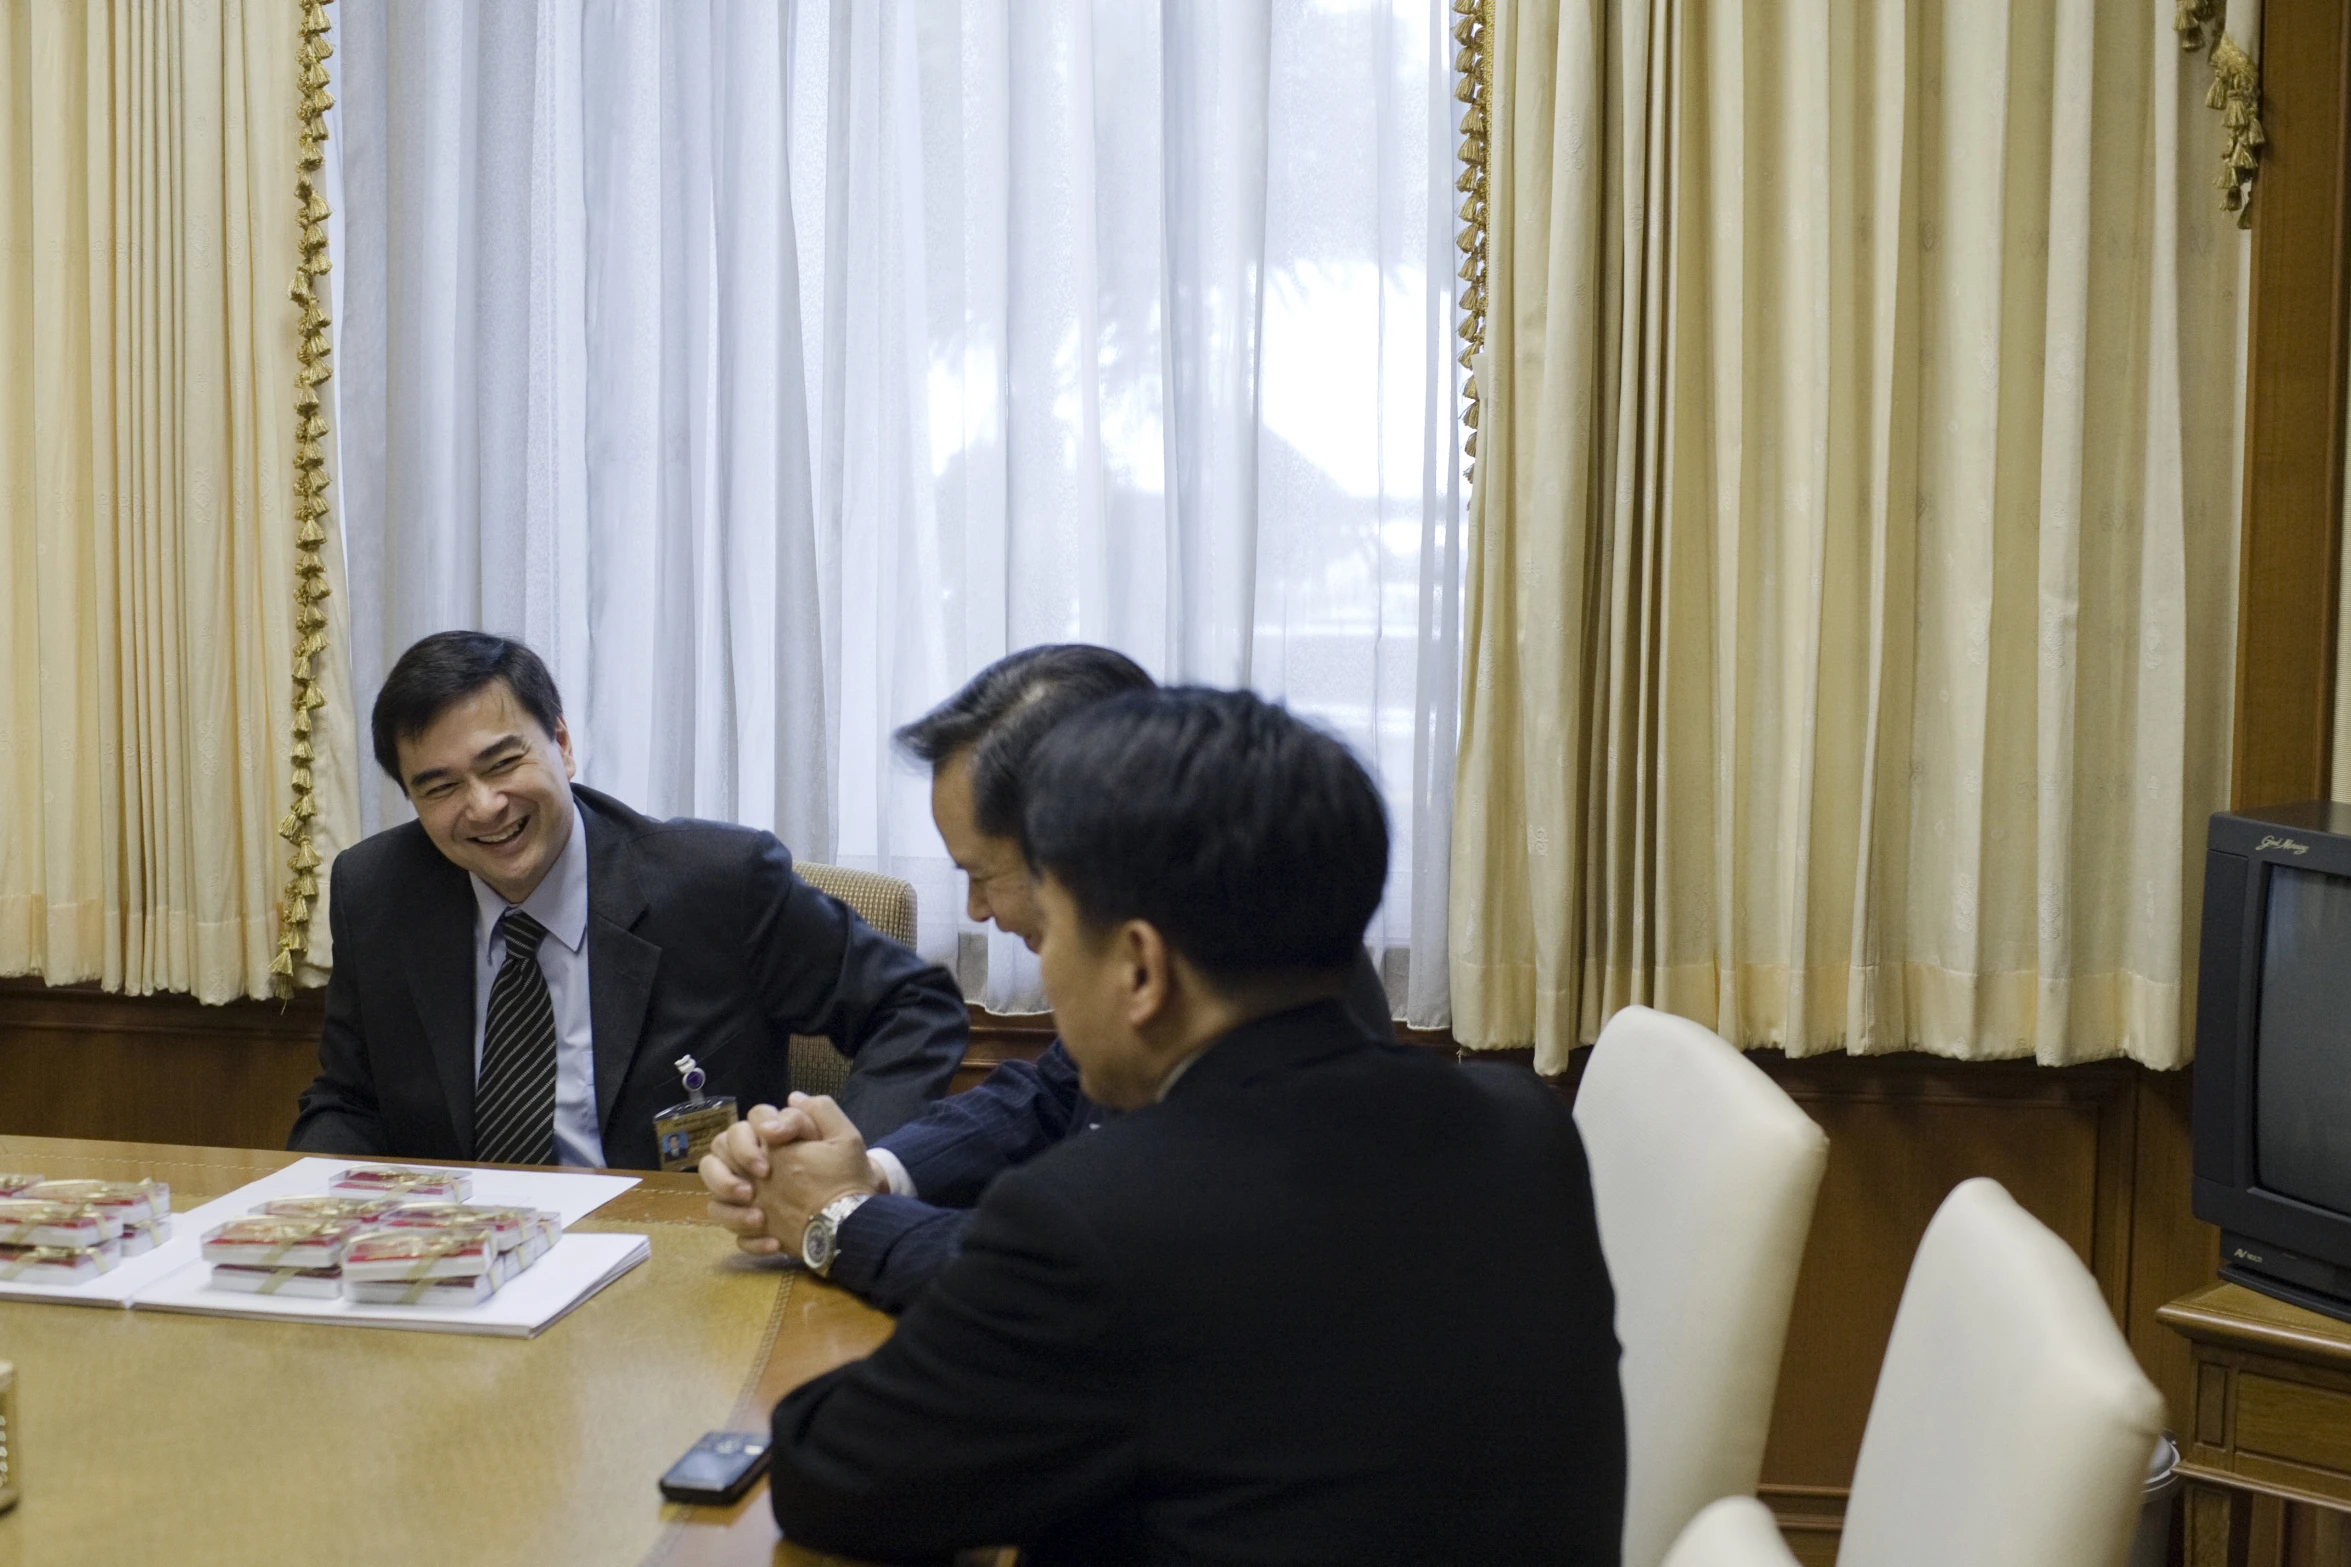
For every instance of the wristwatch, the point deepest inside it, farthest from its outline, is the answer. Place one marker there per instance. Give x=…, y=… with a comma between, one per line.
x=818, y=1241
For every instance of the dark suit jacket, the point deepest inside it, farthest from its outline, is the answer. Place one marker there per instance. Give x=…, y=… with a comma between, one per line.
x=700, y=938
x=1331, y=1300
x=891, y=1247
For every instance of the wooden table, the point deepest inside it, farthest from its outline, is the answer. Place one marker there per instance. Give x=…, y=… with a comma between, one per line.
x=2266, y=1453
x=158, y=1437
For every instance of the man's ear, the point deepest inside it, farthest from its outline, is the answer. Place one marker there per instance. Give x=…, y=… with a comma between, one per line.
x=562, y=738
x=1148, y=977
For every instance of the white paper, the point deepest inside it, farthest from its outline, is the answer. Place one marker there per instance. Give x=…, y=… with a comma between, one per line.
x=577, y=1267
x=568, y=1193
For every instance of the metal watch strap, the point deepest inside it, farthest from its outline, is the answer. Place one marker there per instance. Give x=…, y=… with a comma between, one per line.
x=832, y=1216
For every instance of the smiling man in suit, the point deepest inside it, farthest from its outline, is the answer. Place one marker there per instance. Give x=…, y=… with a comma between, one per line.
x=518, y=970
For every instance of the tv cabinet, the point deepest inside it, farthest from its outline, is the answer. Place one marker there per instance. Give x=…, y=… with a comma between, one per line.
x=2265, y=1449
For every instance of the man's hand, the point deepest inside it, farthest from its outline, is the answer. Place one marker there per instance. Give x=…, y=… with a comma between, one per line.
x=737, y=1157
x=769, y=1172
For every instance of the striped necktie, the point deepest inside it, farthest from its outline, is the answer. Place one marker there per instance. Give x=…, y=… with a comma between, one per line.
x=514, y=1102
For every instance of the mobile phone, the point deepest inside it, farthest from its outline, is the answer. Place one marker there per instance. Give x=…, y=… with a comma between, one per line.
x=717, y=1469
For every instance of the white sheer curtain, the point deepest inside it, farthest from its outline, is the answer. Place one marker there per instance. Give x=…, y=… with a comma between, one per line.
x=1078, y=319
x=1131, y=323
x=570, y=380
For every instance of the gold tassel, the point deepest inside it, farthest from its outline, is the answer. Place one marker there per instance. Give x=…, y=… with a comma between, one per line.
x=314, y=353
x=2189, y=18
x=1474, y=67
x=2236, y=92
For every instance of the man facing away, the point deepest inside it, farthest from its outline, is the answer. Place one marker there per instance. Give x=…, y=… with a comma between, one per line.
x=883, y=1221
x=1314, y=1297
x=518, y=970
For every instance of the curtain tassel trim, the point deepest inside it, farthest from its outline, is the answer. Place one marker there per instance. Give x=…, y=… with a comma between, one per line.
x=1473, y=67
x=2236, y=93
x=315, y=354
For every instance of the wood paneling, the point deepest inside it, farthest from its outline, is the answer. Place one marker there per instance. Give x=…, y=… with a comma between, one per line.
x=996, y=1039
x=75, y=1062
x=2294, y=412
x=1904, y=1130
x=2098, y=1153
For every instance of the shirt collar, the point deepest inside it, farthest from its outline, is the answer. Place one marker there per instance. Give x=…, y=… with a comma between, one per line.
x=1167, y=1083
x=559, y=902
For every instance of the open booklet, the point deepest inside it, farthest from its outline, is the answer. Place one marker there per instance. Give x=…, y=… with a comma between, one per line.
x=175, y=1277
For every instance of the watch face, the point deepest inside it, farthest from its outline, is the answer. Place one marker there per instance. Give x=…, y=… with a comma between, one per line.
x=816, y=1244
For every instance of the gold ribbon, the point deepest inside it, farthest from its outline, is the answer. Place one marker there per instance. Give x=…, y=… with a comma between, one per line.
x=35, y=1257
x=15, y=1226
x=446, y=1243
x=316, y=355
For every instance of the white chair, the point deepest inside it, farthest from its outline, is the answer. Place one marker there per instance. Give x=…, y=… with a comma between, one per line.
x=1703, y=1176
x=1735, y=1532
x=2010, y=1423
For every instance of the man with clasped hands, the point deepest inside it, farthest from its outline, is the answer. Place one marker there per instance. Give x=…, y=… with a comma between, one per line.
x=1314, y=1297
x=882, y=1221
x=518, y=970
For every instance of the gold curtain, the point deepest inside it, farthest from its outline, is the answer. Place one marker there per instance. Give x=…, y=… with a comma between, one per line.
x=1852, y=577
x=148, y=235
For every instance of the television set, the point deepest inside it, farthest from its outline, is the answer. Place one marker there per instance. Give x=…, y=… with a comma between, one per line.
x=2273, y=1052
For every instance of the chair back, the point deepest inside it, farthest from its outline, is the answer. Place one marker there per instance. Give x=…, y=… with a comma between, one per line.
x=2010, y=1422
x=1737, y=1531
x=887, y=904
x=1703, y=1177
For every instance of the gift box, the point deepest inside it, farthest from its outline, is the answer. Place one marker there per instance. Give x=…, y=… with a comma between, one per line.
x=261, y=1241
x=407, y=1256
x=309, y=1283
x=509, y=1227
x=131, y=1202
x=403, y=1183
x=140, y=1239
x=422, y=1292
x=359, y=1210
x=10, y=1185
x=540, y=1237
x=57, y=1264
x=72, y=1226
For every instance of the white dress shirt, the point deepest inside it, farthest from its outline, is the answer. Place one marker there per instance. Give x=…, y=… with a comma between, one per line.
x=560, y=903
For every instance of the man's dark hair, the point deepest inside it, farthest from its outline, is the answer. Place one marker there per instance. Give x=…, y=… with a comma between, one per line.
x=442, y=671
x=1255, y=843
x=1004, y=710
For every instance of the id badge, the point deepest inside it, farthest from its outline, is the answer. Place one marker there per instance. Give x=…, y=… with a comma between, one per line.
x=684, y=1132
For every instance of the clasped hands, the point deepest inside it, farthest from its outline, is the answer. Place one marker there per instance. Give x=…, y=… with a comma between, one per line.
x=770, y=1171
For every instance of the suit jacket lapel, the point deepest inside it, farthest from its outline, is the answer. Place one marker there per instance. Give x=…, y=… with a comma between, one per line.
x=621, y=964
x=440, y=956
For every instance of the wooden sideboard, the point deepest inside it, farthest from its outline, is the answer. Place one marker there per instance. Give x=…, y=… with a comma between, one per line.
x=2266, y=1444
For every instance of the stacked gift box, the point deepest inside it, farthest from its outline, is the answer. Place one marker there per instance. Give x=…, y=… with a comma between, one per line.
x=69, y=1232
x=381, y=1236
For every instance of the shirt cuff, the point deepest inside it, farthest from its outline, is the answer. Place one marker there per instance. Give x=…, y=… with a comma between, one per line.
x=893, y=1171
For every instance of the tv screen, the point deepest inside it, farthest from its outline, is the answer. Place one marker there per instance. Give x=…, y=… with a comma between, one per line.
x=2302, y=1063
